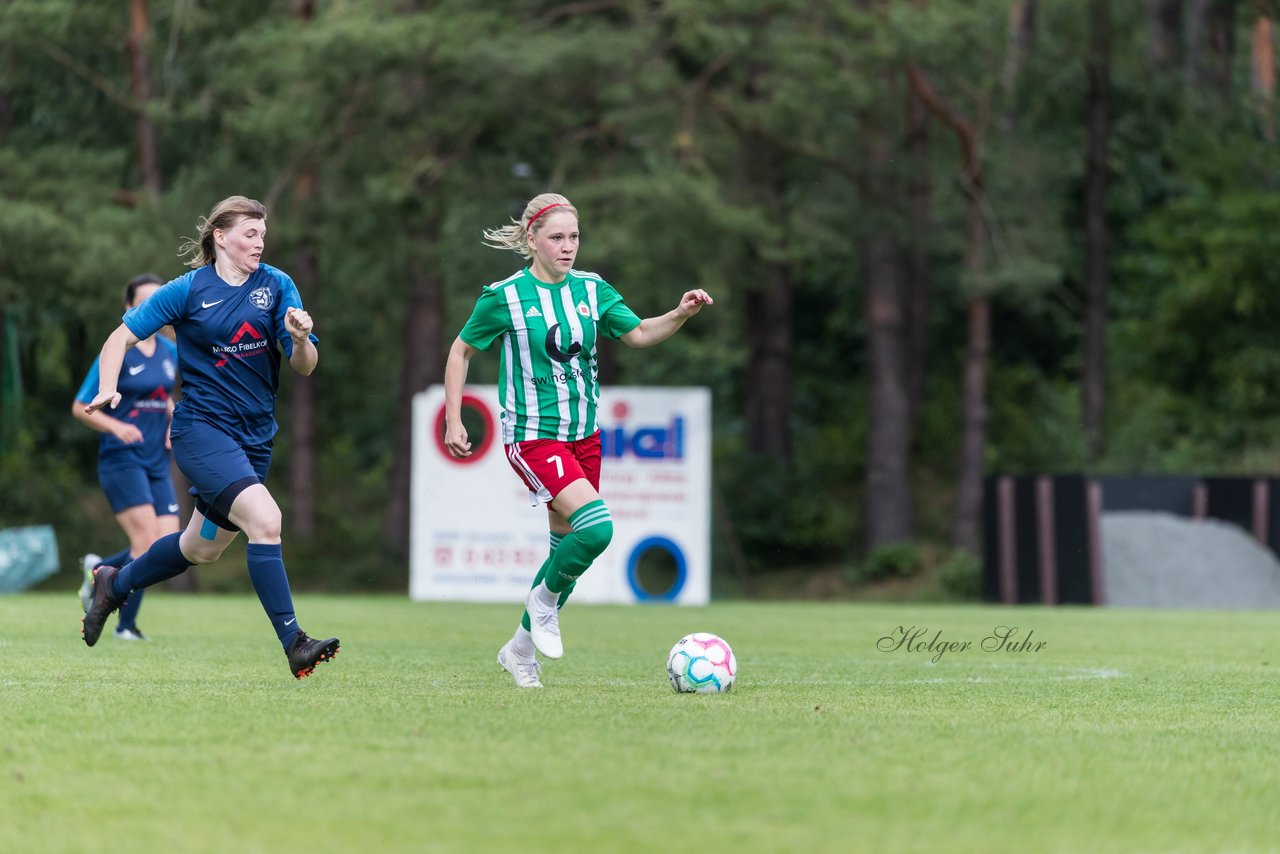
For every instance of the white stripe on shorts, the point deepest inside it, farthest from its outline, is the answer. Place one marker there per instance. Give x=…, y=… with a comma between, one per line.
x=541, y=495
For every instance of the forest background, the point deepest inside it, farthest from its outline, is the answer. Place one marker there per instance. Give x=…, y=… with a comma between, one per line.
x=945, y=239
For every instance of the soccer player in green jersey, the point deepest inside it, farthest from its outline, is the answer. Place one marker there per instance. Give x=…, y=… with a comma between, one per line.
x=547, y=319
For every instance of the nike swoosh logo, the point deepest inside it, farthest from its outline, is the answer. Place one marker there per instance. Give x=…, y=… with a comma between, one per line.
x=210, y=304
x=133, y=372
x=173, y=508
x=290, y=622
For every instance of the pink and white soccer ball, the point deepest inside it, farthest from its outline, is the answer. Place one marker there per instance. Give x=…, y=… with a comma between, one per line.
x=701, y=663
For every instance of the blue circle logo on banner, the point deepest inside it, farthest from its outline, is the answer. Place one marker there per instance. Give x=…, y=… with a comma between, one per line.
x=633, y=566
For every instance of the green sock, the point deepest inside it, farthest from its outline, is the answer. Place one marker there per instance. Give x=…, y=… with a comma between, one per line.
x=542, y=573
x=592, y=530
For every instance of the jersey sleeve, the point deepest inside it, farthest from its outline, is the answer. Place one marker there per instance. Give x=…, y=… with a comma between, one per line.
x=165, y=306
x=89, y=388
x=616, y=318
x=289, y=298
x=489, y=321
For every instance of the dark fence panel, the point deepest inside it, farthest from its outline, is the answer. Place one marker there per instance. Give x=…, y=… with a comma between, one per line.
x=1040, y=543
x=1042, y=532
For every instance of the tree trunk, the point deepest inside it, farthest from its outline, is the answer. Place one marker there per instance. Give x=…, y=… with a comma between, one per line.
x=423, y=345
x=304, y=479
x=1211, y=44
x=888, y=416
x=140, y=75
x=1095, y=213
x=919, y=272
x=769, y=321
x=10, y=382
x=887, y=306
x=1263, y=76
x=965, y=528
x=768, y=404
x=1166, y=34
x=6, y=94
x=1022, y=34
x=423, y=340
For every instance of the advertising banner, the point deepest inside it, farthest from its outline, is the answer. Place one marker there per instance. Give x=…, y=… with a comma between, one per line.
x=476, y=537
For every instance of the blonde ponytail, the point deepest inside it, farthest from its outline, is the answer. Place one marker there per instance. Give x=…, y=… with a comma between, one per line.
x=515, y=237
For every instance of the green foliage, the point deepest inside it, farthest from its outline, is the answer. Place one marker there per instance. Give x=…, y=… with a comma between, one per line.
x=1034, y=422
x=705, y=144
x=778, y=513
x=43, y=488
x=1194, y=324
x=34, y=484
x=895, y=560
x=960, y=576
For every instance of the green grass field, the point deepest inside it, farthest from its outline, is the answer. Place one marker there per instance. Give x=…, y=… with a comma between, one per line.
x=1128, y=731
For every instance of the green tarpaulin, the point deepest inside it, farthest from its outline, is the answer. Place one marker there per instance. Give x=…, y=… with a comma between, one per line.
x=27, y=556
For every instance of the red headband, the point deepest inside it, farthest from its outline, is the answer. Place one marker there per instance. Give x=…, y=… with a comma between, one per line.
x=534, y=218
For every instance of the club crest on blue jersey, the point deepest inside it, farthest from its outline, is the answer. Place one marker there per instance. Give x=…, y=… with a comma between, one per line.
x=170, y=370
x=261, y=298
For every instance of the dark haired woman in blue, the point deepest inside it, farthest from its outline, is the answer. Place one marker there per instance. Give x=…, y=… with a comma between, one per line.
x=133, y=454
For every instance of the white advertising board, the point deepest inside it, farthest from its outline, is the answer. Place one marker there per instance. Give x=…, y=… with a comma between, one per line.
x=476, y=538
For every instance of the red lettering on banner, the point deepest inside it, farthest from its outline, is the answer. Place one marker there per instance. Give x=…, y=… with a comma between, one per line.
x=491, y=557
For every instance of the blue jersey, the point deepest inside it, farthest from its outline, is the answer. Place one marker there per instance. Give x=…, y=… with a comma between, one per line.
x=145, y=386
x=227, y=338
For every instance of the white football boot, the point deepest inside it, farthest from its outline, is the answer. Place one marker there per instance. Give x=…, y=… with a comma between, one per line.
x=544, y=621
x=525, y=672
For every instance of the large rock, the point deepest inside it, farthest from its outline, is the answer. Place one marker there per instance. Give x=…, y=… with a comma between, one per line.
x=1160, y=560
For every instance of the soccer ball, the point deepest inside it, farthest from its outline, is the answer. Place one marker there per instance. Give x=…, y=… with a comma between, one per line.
x=701, y=663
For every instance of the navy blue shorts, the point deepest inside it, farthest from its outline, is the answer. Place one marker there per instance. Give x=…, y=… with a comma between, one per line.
x=218, y=466
x=132, y=485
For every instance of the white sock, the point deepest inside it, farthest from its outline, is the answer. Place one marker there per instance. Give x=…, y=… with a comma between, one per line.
x=547, y=597
x=522, y=643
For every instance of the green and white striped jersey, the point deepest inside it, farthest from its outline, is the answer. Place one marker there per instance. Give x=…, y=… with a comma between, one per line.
x=547, y=382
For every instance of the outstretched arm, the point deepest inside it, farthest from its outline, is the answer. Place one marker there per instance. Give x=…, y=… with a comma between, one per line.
x=109, y=362
x=305, y=355
x=655, y=330
x=455, y=377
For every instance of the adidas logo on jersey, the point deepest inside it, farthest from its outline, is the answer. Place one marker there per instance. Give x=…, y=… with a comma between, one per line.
x=533, y=312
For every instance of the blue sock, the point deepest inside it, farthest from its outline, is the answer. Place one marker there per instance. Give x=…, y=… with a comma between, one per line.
x=118, y=559
x=159, y=563
x=266, y=571
x=129, y=611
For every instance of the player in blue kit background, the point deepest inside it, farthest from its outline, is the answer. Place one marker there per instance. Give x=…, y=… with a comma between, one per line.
x=133, y=454
x=229, y=313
